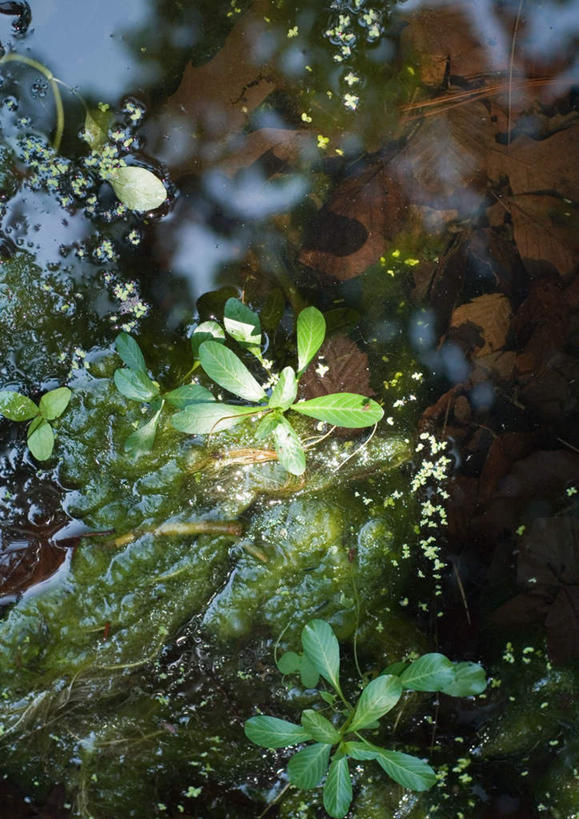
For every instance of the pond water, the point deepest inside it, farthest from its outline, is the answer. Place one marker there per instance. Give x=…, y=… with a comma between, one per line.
x=410, y=170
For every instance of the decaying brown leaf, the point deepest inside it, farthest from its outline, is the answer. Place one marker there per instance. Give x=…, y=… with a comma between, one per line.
x=340, y=366
x=491, y=313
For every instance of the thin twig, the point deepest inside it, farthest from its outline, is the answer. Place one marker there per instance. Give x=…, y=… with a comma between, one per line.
x=511, y=63
x=462, y=594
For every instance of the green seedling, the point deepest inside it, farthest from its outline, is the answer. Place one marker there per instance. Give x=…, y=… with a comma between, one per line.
x=270, y=404
x=40, y=437
x=333, y=741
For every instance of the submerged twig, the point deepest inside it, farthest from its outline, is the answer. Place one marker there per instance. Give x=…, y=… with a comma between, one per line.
x=197, y=527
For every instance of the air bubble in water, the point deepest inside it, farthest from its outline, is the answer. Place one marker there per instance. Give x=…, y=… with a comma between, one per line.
x=39, y=89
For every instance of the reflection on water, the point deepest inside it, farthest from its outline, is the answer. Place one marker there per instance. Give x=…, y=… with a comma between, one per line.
x=409, y=168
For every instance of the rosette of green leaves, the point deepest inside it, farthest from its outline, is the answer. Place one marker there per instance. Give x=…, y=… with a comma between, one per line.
x=335, y=740
x=40, y=436
x=227, y=370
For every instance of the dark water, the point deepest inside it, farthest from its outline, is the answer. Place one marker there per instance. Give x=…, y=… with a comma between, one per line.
x=410, y=170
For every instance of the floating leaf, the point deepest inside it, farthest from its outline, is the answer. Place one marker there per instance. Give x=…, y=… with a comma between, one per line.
x=135, y=385
x=243, y=325
x=338, y=788
x=189, y=394
x=469, y=680
x=206, y=331
x=17, y=407
x=96, y=127
x=379, y=697
x=318, y=727
x=41, y=441
x=407, y=770
x=53, y=403
x=344, y=409
x=225, y=368
x=289, y=447
x=203, y=419
x=285, y=391
x=322, y=648
x=137, y=188
x=311, y=331
x=431, y=672
x=271, y=732
x=143, y=439
x=306, y=769
x=130, y=352
x=290, y=662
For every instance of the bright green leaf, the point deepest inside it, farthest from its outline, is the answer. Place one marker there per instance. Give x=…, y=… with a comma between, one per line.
x=189, y=394
x=328, y=697
x=396, y=668
x=137, y=188
x=318, y=727
x=267, y=425
x=338, y=789
x=206, y=331
x=407, y=770
x=243, y=325
x=203, y=419
x=308, y=673
x=469, y=680
x=306, y=769
x=311, y=332
x=285, y=391
x=130, y=352
x=379, y=697
x=34, y=424
x=225, y=368
x=431, y=672
x=323, y=650
x=289, y=448
x=343, y=409
x=17, y=407
x=41, y=441
x=289, y=662
x=143, y=438
x=135, y=385
x=271, y=732
x=53, y=403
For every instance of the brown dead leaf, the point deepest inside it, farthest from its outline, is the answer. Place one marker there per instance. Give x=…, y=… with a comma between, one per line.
x=492, y=314
x=340, y=366
x=546, y=231
x=283, y=144
x=348, y=234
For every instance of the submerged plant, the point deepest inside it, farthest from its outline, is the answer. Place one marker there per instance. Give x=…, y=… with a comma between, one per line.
x=225, y=368
x=336, y=740
x=18, y=407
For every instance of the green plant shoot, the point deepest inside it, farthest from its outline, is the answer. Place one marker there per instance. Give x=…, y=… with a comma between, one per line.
x=335, y=740
x=40, y=436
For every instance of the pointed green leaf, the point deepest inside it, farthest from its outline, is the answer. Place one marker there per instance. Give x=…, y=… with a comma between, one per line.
x=17, y=407
x=267, y=425
x=409, y=771
x=311, y=332
x=338, y=789
x=53, y=403
x=285, y=391
x=34, y=424
x=137, y=188
x=271, y=732
x=135, y=385
x=243, y=325
x=206, y=331
x=41, y=441
x=289, y=662
x=189, y=394
x=318, y=727
x=203, y=419
x=225, y=368
x=329, y=698
x=143, y=438
x=307, y=768
x=379, y=697
x=96, y=127
x=289, y=447
x=469, y=680
x=431, y=672
x=323, y=651
x=343, y=409
x=130, y=352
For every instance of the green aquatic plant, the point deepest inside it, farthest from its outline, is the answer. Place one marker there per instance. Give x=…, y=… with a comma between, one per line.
x=18, y=407
x=335, y=741
x=271, y=400
x=199, y=413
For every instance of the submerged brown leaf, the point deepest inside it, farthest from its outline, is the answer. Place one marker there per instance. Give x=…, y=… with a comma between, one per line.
x=340, y=366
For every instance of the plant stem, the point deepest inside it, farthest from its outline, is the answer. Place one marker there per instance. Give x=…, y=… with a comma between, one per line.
x=199, y=527
x=20, y=58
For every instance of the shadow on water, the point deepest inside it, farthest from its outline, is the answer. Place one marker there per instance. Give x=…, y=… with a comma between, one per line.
x=410, y=169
